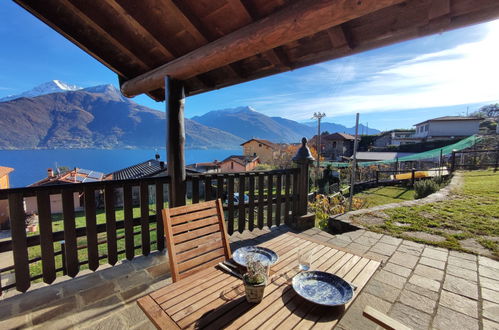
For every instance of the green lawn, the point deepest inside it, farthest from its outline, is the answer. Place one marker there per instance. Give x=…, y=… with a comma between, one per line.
x=471, y=214
x=386, y=195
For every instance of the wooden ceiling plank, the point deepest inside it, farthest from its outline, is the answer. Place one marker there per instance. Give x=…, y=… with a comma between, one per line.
x=300, y=19
x=104, y=33
x=139, y=28
x=439, y=8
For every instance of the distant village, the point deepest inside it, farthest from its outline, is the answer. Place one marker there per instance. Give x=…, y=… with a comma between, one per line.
x=263, y=154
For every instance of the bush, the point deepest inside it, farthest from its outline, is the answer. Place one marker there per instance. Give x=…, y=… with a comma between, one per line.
x=325, y=207
x=425, y=188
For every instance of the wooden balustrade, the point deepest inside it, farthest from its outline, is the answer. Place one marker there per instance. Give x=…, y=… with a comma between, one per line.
x=104, y=220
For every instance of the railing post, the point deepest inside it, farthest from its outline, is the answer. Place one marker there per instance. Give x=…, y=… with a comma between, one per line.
x=453, y=161
x=413, y=176
x=303, y=159
x=377, y=177
x=63, y=256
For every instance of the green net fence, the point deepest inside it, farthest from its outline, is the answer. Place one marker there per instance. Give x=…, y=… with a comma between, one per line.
x=431, y=154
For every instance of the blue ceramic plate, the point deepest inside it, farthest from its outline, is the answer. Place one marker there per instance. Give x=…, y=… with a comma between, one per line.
x=322, y=288
x=260, y=253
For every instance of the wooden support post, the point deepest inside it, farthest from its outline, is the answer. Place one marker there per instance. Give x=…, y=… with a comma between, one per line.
x=175, y=100
x=413, y=176
x=377, y=177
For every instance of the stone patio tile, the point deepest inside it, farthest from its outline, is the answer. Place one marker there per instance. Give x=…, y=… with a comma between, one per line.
x=357, y=248
x=376, y=256
x=410, y=317
x=459, y=303
x=417, y=301
x=463, y=255
x=397, y=269
x=429, y=272
x=404, y=259
x=371, y=234
x=320, y=238
x=311, y=231
x=462, y=272
x=489, y=283
x=413, y=244
x=159, y=270
x=15, y=322
x=146, y=325
x=133, y=279
x=432, y=263
x=488, y=272
x=98, y=310
x=490, y=295
x=132, y=315
x=391, y=279
x=110, y=322
x=353, y=319
x=338, y=242
x=382, y=290
x=410, y=249
x=54, y=310
x=422, y=291
x=326, y=234
x=390, y=240
x=448, y=319
x=152, y=259
x=384, y=248
x=39, y=297
x=424, y=282
x=463, y=263
x=488, y=262
x=461, y=286
x=97, y=293
x=134, y=293
x=433, y=253
x=491, y=310
x=367, y=241
x=67, y=322
x=489, y=325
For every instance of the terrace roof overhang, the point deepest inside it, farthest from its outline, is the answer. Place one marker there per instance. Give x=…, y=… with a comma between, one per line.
x=209, y=44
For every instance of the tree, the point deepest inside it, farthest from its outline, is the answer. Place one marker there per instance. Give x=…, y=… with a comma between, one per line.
x=285, y=157
x=491, y=110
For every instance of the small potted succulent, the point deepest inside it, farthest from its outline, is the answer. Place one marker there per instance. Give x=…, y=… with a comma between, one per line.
x=255, y=280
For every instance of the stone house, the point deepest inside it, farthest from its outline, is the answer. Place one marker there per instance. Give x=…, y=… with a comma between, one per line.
x=265, y=150
x=239, y=163
x=336, y=146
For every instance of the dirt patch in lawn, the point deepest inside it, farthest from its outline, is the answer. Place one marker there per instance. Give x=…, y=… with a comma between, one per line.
x=424, y=236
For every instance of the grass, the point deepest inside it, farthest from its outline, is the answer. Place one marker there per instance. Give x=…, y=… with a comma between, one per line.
x=386, y=195
x=471, y=213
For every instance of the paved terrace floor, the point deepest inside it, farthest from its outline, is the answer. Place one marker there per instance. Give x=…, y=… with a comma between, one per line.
x=421, y=286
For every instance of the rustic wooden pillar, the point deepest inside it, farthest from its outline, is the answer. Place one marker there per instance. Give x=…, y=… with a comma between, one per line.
x=175, y=140
x=303, y=159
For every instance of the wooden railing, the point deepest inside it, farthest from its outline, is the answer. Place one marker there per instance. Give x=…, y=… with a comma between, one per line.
x=129, y=221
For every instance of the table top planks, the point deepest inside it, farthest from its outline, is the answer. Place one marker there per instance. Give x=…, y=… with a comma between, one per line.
x=215, y=299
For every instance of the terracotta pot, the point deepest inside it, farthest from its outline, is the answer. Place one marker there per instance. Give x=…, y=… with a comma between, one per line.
x=254, y=293
x=31, y=228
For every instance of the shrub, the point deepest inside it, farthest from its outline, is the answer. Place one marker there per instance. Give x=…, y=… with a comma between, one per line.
x=325, y=207
x=425, y=188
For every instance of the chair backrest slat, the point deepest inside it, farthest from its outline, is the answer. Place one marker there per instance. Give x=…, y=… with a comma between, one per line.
x=196, y=237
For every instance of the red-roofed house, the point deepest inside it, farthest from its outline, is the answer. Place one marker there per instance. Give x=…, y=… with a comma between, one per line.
x=239, y=163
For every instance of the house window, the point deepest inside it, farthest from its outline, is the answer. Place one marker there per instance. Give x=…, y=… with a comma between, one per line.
x=260, y=145
x=231, y=165
x=334, y=144
x=426, y=127
x=254, y=154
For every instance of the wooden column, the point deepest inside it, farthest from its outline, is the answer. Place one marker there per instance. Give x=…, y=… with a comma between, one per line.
x=175, y=140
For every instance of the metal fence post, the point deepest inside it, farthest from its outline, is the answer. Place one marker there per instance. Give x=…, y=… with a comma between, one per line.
x=377, y=177
x=413, y=176
x=453, y=161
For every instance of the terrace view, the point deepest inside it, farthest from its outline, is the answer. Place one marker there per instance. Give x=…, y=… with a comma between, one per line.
x=300, y=227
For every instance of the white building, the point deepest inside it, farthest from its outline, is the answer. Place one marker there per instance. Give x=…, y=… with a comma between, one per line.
x=396, y=138
x=447, y=127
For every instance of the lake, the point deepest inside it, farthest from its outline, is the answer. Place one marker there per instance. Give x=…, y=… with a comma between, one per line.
x=31, y=165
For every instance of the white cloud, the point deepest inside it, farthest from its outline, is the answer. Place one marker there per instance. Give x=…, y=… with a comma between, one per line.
x=465, y=74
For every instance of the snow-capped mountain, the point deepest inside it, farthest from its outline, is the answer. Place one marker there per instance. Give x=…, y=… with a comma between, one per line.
x=53, y=86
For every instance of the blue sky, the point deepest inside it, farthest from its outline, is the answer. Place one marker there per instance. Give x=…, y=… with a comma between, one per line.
x=394, y=86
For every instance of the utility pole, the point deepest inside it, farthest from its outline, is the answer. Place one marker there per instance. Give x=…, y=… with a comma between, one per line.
x=354, y=162
x=318, y=116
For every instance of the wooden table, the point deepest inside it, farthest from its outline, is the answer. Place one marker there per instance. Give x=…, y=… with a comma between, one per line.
x=215, y=299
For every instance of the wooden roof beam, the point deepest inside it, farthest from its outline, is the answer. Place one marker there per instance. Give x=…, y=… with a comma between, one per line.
x=340, y=37
x=298, y=20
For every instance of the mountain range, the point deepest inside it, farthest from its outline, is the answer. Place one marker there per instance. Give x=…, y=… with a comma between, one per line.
x=60, y=115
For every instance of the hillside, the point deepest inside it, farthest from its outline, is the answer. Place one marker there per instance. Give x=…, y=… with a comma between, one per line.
x=248, y=123
x=96, y=117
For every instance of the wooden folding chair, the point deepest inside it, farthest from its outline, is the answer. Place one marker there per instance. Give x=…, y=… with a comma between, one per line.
x=196, y=237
